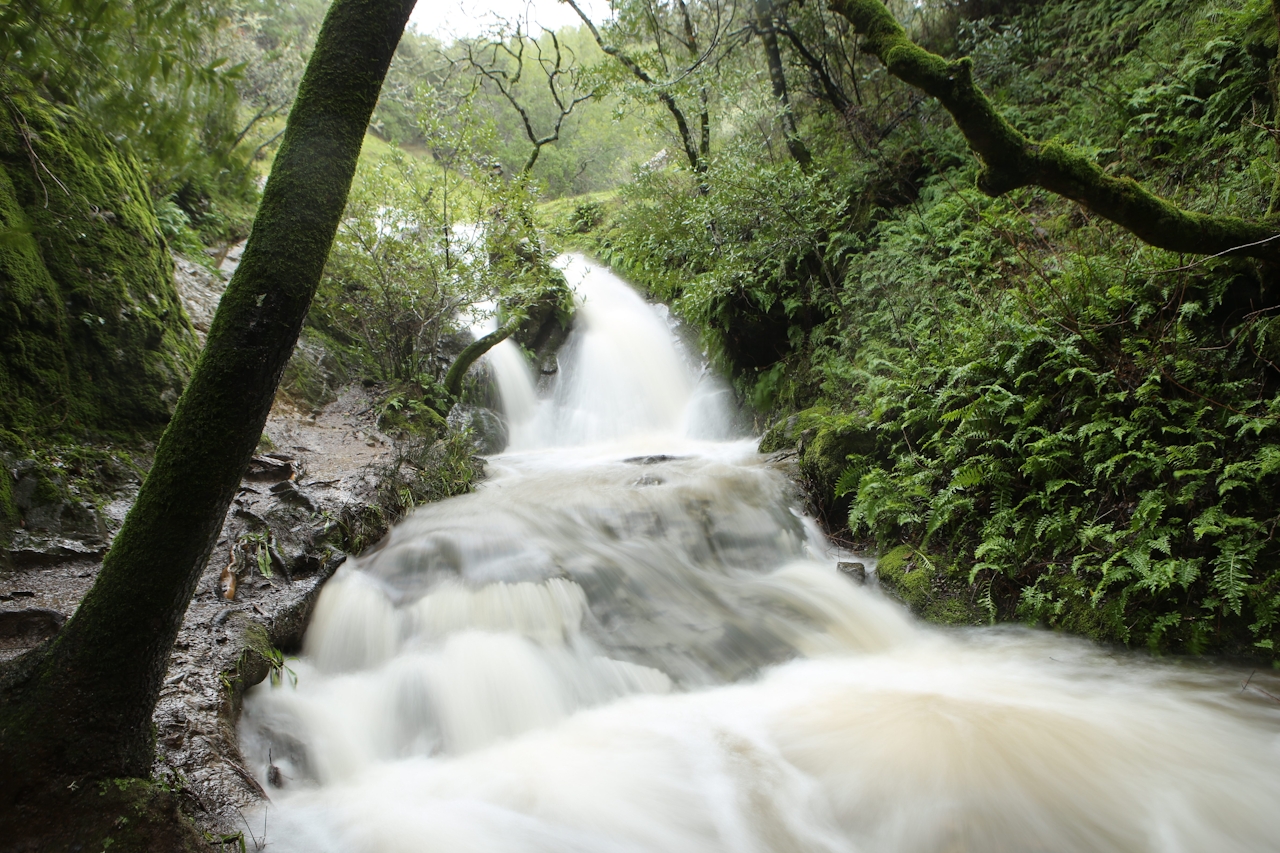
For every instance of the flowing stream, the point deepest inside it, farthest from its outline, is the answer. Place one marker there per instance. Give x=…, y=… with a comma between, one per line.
x=630, y=638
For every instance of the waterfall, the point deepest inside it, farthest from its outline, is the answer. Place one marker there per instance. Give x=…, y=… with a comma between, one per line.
x=631, y=638
x=623, y=375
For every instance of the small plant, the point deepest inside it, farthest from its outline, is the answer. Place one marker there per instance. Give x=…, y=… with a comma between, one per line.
x=259, y=543
x=279, y=666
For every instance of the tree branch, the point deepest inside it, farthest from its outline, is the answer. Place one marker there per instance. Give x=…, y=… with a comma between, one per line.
x=1010, y=160
x=696, y=161
x=470, y=355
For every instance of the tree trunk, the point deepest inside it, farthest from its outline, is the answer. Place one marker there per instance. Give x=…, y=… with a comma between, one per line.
x=1011, y=160
x=777, y=77
x=81, y=707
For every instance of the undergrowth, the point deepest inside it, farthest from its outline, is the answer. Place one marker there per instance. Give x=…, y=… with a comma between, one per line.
x=1073, y=429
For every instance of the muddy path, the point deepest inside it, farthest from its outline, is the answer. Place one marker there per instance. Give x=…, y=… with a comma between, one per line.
x=311, y=491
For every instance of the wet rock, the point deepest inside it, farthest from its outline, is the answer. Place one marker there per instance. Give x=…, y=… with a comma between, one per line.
x=30, y=551
x=200, y=290
x=652, y=460
x=287, y=491
x=488, y=429
x=856, y=571
x=268, y=469
x=28, y=627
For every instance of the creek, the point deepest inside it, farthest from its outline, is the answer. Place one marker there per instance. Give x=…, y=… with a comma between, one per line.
x=630, y=638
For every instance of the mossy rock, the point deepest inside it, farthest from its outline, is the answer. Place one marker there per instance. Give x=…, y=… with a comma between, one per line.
x=824, y=443
x=92, y=333
x=548, y=319
x=941, y=595
x=8, y=508
x=414, y=419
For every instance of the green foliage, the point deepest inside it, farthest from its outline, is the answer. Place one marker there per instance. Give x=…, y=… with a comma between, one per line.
x=400, y=273
x=1038, y=418
x=414, y=411
x=175, y=225
x=1124, y=450
x=257, y=546
x=144, y=71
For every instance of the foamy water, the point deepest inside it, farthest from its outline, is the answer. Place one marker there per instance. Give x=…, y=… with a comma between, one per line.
x=631, y=639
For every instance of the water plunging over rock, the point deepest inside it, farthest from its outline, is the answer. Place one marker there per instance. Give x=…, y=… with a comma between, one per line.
x=631, y=639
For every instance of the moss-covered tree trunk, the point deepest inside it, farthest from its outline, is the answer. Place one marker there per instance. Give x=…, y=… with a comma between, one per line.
x=472, y=354
x=1010, y=160
x=81, y=708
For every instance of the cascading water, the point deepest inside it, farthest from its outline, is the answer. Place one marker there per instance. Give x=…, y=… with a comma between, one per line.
x=629, y=639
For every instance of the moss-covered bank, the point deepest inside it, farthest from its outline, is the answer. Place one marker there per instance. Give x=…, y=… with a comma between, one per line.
x=92, y=335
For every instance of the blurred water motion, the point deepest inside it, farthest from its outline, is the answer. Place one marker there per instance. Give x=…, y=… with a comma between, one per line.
x=630, y=639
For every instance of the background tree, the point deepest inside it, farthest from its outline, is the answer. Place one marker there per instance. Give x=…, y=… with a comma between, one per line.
x=517, y=65
x=766, y=30
x=667, y=49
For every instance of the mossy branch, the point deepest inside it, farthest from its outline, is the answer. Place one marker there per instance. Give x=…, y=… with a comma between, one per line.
x=1010, y=160
x=472, y=354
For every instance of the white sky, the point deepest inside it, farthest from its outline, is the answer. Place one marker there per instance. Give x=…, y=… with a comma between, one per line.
x=445, y=18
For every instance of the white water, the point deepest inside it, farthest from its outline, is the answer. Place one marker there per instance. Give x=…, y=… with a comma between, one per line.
x=629, y=639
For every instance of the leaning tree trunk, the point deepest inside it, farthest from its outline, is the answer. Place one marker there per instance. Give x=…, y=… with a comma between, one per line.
x=472, y=354
x=82, y=707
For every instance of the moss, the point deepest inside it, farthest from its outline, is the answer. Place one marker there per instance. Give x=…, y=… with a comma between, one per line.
x=897, y=574
x=826, y=443
x=116, y=815
x=940, y=595
x=94, y=336
x=8, y=510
